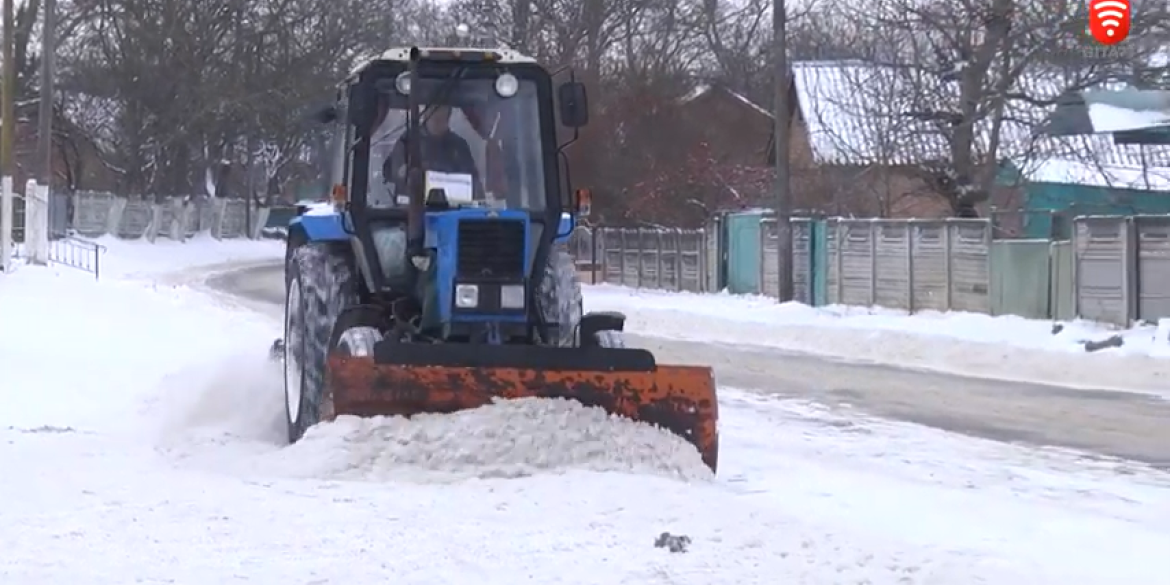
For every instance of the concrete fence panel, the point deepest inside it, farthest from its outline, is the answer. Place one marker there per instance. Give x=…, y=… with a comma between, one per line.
x=1103, y=268
x=1153, y=259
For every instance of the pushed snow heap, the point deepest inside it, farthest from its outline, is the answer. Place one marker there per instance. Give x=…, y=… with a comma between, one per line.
x=511, y=438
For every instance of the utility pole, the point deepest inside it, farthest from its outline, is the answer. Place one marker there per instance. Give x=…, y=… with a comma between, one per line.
x=45, y=111
x=782, y=144
x=8, y=92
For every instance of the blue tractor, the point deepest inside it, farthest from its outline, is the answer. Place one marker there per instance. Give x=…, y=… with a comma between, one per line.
x=438, y=277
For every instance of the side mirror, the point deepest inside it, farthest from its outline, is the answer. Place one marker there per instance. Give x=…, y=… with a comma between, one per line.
x=584, y=203
x=324, y=114
x=574, y=104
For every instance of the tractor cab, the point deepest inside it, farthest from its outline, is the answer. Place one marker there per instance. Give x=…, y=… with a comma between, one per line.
x=448, y=166
x=481, y=144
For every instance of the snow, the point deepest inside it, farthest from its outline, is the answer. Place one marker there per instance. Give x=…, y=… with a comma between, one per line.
x=141, y=442
x=1080, y=172
x=320, y=208
x=1004, y=347
x=127, y=258
x=1109, y=118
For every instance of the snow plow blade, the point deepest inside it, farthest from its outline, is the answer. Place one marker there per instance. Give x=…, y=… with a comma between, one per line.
x=404, y=379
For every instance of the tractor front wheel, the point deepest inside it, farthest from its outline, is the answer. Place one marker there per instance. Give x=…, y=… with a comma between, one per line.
x=558, y=297
x=320, y=285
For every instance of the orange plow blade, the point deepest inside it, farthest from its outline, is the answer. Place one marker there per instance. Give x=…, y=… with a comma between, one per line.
x=681, y=399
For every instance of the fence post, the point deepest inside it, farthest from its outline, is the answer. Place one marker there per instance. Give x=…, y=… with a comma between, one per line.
x=153, y=228
x=1130, y=267
x=36, y=222
x=114, y=217
x=620, y=241
x=873, y=261
x=948, y=270
x=594, y=234
x=658, y=260
x=641, y=256
x=839, y=259
x=6, y=224
x=704, y=259
x=911, y=232
x=761, y=246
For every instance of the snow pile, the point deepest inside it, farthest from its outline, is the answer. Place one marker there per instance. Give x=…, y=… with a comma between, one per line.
x=1004, y=347
x=227, y=415
x=509, y=439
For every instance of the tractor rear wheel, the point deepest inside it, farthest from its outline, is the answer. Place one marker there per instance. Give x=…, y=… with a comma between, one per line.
x=320, y=284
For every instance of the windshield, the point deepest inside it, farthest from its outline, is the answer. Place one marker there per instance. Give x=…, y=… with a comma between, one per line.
x=482, y=149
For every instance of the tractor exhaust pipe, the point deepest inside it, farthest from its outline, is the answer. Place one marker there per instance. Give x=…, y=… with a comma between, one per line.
x=415, y=183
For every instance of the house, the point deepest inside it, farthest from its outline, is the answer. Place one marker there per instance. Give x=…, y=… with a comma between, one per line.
x=731, y=123
x=1087, y=175
x=77, y=161
x=846, y=158
x=866, y=154
x=733, y=137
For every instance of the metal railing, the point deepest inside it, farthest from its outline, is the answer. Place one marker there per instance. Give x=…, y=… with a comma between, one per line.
x=79, y=253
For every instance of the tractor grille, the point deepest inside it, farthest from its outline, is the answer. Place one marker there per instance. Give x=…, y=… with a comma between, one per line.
x=491, y=249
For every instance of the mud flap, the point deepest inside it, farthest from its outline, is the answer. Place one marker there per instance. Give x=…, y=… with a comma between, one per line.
x=403, y=379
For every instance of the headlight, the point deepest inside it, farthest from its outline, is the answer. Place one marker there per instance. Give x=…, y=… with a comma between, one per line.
x=402, y=83
x=466, y=296
x=512, y=296
x=507, y=85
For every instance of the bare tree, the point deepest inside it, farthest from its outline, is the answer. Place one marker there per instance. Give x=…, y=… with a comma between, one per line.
x=976, y=77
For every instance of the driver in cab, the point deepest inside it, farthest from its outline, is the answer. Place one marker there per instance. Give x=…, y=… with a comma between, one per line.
x=442, y=151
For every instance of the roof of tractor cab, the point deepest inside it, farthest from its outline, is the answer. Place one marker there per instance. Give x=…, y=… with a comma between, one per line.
x=402, y=54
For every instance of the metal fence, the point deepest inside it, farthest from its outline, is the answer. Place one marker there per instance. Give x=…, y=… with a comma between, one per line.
x=1114, y=269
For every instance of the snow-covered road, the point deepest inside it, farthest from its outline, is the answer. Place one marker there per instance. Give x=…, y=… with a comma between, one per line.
x=1108, y=422
x=140, y=443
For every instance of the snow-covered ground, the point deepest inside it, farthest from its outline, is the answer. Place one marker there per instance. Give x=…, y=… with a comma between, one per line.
x=140, y=442
x=129, y=258
x=1004, y=347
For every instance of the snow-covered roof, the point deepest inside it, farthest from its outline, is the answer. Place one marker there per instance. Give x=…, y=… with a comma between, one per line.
x=860, y=113
x=507, y=56
x=857, y=113
x=838, y=101
x=702, y=90
x=1110, y=118
x=1094, y=160
x=1081, y=172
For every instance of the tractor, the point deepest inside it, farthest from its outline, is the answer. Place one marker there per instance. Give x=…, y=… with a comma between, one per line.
x=439, y=278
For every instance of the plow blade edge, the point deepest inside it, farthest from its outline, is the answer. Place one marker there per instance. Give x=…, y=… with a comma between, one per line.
x=403, y=379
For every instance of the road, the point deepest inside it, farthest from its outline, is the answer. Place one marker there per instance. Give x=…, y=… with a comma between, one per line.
x=1131, y=426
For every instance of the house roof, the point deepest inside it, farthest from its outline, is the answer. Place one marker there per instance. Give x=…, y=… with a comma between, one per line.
x=707, y=89
x=860, y=113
